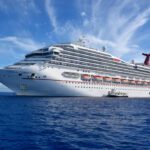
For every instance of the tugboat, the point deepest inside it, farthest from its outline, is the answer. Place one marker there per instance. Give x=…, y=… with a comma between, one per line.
x=113, y=93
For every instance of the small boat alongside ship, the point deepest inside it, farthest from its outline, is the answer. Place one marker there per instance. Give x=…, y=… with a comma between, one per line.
x=114, y=93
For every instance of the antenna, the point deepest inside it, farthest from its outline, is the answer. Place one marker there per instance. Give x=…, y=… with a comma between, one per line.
x=82, y=41
x=103, y=48
x=132, y=61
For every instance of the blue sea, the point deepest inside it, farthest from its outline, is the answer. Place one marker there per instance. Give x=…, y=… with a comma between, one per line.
x=67, y=123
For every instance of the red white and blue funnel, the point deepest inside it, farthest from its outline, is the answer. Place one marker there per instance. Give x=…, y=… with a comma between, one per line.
x=147, y=59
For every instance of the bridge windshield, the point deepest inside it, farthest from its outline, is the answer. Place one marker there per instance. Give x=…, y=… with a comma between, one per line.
x=46, y=52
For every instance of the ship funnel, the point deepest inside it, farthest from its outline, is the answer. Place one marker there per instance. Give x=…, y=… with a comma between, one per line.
x=147, y=59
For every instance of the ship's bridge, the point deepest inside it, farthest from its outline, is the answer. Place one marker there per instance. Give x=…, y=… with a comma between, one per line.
x=45, y=52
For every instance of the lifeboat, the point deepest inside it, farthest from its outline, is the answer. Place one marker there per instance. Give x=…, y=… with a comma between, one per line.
x=124, y=80
x=132, y=81
x=138, y=82
x=85, y=76
x=144, y=82
x=70, y=75
x=97, y=77
x=116, y=79
x=107, y=78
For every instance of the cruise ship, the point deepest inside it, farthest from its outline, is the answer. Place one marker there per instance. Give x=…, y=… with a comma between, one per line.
x=76, y=70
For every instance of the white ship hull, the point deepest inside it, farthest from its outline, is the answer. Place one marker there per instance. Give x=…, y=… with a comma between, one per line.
x=54, y=84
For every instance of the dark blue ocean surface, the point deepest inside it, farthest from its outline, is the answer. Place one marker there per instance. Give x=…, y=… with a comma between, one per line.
x=43, y=123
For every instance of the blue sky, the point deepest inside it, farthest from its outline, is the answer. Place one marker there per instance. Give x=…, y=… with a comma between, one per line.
x=123, y=26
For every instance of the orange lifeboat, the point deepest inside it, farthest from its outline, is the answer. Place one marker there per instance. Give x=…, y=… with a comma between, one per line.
x=144, y=82
x=107, y=78
x=124, y=80
x=97, y=77
x=116, y=79
x=85, y=76
x=132, y=81
x=138, y=82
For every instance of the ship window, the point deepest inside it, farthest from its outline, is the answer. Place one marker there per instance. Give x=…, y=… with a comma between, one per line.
x=33, y=74
x=56, y=53
x=24, y=63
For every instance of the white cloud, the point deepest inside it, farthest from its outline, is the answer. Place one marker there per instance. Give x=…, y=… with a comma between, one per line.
x=14, y=48
x=86, y=22
x=26, y=44
x=25, y=7
x=51, y=13
x=92, y=40
x=83, y=14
